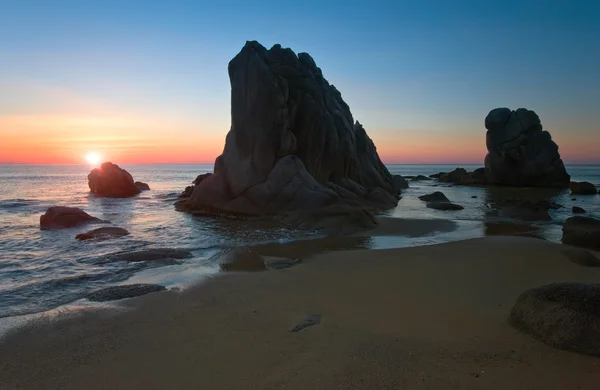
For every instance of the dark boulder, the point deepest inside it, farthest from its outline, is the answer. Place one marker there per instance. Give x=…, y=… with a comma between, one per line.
x=526, y=209
x=445, y=206
x=103, y=233
x=562, y=315
x=400, y=183
x=578, y=210
x=277, y=263
x=111, y=181
x=187, y=192
x=293, y=143
x=142, y=186
x=582, y=188
x=434, y=197
x=520, y=152
x=475, y=178
x=59, y=217
x=121, y=292
x=454, y=176
x=582, y=231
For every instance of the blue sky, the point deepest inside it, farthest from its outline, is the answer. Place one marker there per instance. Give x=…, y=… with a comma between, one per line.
x=420, y=75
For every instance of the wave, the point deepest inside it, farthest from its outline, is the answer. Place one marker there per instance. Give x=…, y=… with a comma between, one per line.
x=14, y=203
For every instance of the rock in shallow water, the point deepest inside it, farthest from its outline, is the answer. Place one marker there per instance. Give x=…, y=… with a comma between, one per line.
x=582, y=188
x=59, y=217
x=400, y=183
x=277, y=263
x=520, y=152
x=121, y=292
x=578, y=210
x=434, y=197
x=142, y=186
x=112, y=181
x=293, y=144
x=103, y=233
x=582, y=231
x=562, y=315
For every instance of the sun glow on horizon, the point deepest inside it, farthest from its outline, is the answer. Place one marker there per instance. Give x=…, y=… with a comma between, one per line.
x=93, y=158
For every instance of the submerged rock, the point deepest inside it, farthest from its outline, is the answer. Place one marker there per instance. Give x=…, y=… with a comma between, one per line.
x=578, y=210
x=58, y=217
x=582, y=188
x=142, y=186
x=520, y=152
x=111, y=181
x=445, y=206
x=562, y=315
x=434, y=197
x=526, y=209
x=582, y=231
x=152, y=255
x=121, y=292
x=103, y=233
x=293, y=144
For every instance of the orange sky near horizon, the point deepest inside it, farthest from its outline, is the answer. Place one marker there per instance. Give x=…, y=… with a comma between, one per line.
x=64, y=139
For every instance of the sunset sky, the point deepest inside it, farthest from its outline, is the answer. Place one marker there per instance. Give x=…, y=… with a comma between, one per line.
x=146, y=81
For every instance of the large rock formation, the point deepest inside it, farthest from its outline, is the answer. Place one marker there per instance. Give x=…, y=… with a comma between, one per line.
x=520, y=152
x=112, y=181
x=293, y=143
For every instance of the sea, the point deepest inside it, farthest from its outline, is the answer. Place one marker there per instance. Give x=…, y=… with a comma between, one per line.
x=43, y=271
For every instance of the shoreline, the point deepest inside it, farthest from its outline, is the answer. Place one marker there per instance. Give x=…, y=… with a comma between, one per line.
x=423, y=317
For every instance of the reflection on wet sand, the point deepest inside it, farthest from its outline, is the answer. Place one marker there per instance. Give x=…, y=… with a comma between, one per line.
x=499, y=228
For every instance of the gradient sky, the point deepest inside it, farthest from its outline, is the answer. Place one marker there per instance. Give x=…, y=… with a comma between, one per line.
x=146, y=81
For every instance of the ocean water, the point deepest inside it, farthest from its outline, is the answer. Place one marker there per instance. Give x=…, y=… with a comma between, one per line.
x=42, y=270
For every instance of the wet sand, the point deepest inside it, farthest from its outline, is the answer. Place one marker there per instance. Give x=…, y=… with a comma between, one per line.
x=429, y=317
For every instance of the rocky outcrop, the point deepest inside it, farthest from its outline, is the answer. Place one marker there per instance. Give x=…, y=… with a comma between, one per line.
x=121, y=292
x=59, y=217
x=142, y=186
x=582, y=188
x=293, y=144
x=562, y=315
x=582, y=231
x=103, y=233
x=460, y=176
x=111, y=181
x=520, y=152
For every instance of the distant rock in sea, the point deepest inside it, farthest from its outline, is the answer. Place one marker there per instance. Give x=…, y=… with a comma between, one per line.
x=520, y=152
x=59, y=217
x=293, y=144
x=111, y=181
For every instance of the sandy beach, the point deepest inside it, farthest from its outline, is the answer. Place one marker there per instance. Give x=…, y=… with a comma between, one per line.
x=432, y=317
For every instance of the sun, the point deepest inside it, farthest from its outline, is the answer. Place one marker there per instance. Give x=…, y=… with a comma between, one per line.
x=93, y=158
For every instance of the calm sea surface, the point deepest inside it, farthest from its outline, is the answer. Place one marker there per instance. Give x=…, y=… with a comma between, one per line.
x=41, y=270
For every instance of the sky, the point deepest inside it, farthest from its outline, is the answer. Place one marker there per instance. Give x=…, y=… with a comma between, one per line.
x=146, y=81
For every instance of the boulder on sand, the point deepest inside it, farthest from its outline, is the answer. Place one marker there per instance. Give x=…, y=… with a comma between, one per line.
x=520, y=152
x=111, y=181
x=293, y=144
x=582, y=231
x=103, y=233
x=59, y=217
x=562, y=315
x=582, y=188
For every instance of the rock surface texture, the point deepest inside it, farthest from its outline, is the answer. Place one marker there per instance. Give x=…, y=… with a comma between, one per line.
x=59, y=217
x=520, y=152
x=582, y=231
x=293, y=143
x=111, y=181
x=562, y=315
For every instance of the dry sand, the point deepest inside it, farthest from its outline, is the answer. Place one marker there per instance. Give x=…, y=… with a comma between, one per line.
x=416, y=318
